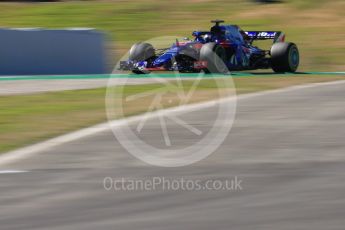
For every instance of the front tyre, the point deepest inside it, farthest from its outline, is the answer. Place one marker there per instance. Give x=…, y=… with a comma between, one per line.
x=284, y=57
x=141, y=52
x=215, y=56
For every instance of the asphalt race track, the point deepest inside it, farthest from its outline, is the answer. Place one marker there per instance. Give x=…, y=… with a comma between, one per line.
x=52, y=85
x=287, y=147
x=17, y=85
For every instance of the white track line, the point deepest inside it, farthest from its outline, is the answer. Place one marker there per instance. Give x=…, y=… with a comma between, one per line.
x=56, y=77
x=25, y=152
x=12, y=171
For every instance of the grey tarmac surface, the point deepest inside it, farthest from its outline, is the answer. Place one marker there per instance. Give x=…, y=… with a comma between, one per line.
x=287, y=148
x=41, y=86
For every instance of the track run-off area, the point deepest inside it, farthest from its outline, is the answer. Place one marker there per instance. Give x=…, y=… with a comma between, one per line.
x=285, y=146
x=21, y=85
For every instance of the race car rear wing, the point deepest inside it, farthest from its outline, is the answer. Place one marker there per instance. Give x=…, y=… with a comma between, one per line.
x=276, y=36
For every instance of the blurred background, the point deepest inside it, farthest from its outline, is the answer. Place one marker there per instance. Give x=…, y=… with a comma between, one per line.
x=316, y=26
x=287, y=145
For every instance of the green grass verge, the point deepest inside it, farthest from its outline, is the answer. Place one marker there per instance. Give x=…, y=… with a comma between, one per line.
x=28, y=119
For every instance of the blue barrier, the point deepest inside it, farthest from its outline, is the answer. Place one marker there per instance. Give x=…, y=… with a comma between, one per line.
x=44, y=51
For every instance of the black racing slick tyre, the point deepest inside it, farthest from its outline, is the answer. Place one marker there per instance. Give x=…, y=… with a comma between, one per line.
x=215, y=56
x=141, y=52
x=284, y=57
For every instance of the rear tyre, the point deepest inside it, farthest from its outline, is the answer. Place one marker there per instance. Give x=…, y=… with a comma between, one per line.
x=141, y=52
x=215, y=56
x=284, y=57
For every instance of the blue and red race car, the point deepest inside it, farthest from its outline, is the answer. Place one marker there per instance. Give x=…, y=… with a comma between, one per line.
x=222, y=49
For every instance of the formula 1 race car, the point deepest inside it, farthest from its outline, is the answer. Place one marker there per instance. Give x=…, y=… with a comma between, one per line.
x=224, y=48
